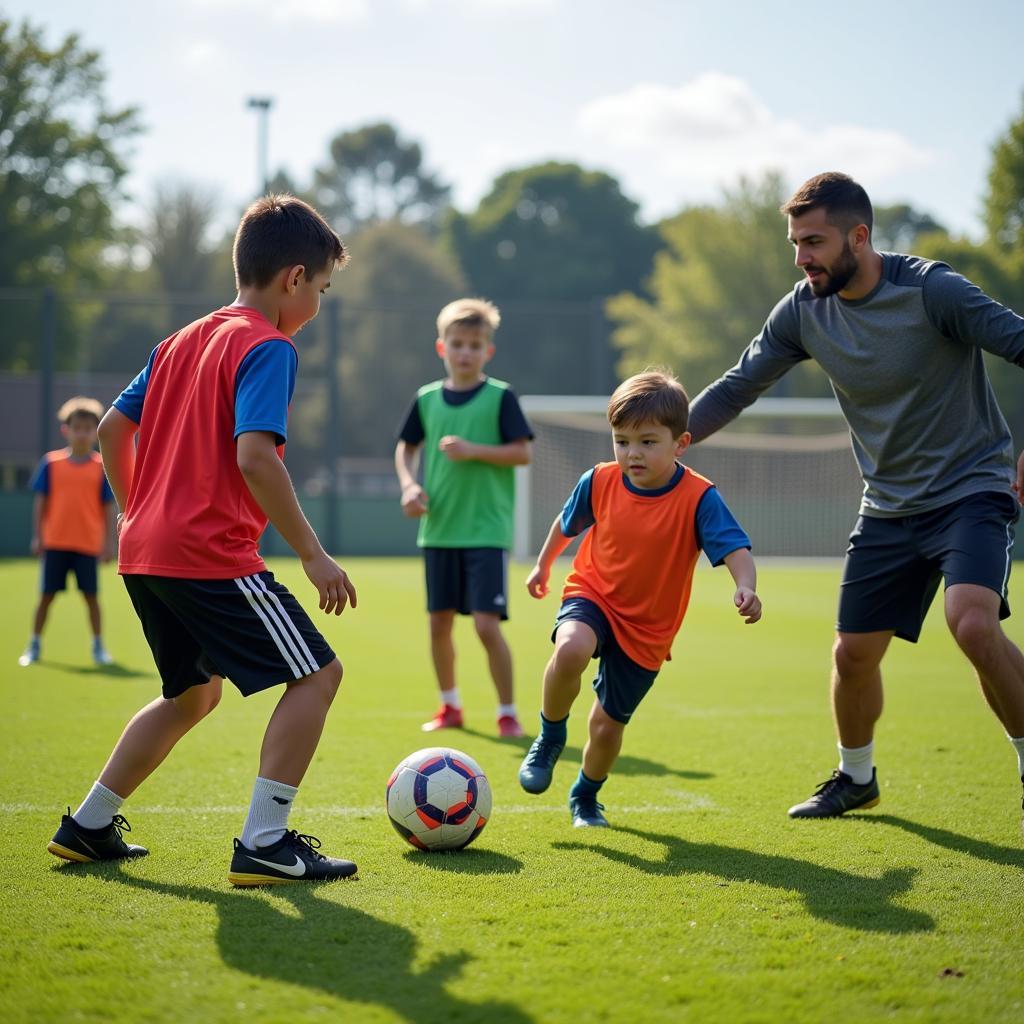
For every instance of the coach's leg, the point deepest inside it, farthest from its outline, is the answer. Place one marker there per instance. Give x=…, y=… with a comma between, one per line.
x=152, y=733
x=442, y=648
x=294, y=729
x=499, y=657
x=972, y=613
x=857, y=685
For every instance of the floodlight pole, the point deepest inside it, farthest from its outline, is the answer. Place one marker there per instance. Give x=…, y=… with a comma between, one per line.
x=262, y=104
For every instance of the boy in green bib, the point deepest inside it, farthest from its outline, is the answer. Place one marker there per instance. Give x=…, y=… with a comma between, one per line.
x=473, y=434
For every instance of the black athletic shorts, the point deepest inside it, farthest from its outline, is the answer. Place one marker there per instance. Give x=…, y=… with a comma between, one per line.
x=621, y=683
x=467, y=580
x=56, y=566
x=250, y=630
x=894, y=565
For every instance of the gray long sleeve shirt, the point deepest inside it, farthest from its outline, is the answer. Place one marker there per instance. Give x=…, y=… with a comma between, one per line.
x=906, y=366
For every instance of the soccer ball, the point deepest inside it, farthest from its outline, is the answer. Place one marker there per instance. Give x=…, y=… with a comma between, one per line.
x=438, y=799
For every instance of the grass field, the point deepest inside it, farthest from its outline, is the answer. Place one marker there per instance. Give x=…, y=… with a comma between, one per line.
x=703, y=903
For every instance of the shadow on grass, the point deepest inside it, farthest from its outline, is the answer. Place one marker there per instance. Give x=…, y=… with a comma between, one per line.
x=114, y=671
x=841, y=898
x=978, y=848
x=464, y=862
x=627, y=764
x=329, y=947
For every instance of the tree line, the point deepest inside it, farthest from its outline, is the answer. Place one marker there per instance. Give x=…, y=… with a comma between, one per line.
x=590, y=292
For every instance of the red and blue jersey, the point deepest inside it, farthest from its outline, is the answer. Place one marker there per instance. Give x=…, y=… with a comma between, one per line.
x=189, y=513
x=76, y=493
x=637, y=558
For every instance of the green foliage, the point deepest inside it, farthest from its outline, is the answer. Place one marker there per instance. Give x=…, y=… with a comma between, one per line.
x=373, y=176
x=553, y=232
x=704, y=902
x=1004, y=203
x=897, y=228
x=61, y=166
x=722, y=271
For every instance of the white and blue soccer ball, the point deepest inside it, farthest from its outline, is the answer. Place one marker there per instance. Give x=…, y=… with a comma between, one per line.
x=438, y=799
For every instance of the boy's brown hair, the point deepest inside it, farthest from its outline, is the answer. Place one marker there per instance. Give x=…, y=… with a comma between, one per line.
x=279, y=231
x=81, y=406
x=654, y=396
x=471, y=312
x=846, y=204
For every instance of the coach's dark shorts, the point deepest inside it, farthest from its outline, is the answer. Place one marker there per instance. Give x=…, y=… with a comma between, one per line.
x=893, y=566
x=56, y=566
x=250, y=630
x=467, y=580
x=621, y=683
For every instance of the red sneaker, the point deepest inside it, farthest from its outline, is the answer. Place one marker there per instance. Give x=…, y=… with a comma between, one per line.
x=509, y=727
x=447, y=717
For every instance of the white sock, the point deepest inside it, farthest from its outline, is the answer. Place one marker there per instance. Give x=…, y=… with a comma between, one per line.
x=451, y=697
x=98, y=808
x=1018, y=745
x=267, y=820
x=857, y=762
x=506, y=711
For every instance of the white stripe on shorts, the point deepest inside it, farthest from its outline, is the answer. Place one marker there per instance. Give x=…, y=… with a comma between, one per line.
x=288, y=622
x=257, y=604
x=1009, y=557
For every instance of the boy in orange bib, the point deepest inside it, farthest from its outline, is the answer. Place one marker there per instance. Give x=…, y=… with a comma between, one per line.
x=647, y=518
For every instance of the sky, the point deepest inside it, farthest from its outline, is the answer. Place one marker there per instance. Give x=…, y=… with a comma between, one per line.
x=677, y=100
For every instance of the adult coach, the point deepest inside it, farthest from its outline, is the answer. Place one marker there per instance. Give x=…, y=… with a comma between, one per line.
x=900, y=338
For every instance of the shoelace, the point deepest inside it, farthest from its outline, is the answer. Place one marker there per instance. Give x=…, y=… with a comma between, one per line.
x=539, y=754
x=120, y=822
x=828, y=783
x=311, y=842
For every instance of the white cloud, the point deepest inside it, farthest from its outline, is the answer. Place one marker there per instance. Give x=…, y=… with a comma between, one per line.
x=691, y=140
x=203, y=53
x=324, y=11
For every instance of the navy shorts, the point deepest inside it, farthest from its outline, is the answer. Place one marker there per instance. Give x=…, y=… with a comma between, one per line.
x=621, y=683
x=467, y=580
x=894, y=566
x=250, y=630
x=56, y=566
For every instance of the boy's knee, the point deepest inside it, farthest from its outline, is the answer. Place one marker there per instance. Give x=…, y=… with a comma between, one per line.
x=329, y=678
x=572, y=654
x=976, y=634
x=852, y=655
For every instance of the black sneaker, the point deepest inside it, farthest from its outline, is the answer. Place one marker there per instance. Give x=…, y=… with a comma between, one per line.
x=538, y=765
x=837, y=795
x=586, y=812
x=293, y=858
x=84, y=845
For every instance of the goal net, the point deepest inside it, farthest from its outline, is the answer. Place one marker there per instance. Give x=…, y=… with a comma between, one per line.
x=784, y=467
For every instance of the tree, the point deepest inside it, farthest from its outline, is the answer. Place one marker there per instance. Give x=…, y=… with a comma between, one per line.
x=1004, y=203
x=374, y=176
x=553, y=232
x=723, y=270
x=897, y=228
x=61, y=167
x=177, y=236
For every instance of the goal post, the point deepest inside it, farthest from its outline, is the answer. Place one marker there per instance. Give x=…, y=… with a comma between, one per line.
x=785, y=468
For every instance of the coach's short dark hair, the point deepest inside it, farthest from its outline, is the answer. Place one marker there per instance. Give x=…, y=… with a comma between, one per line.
x=846, y=204
x=279, y=231
x=654, y=396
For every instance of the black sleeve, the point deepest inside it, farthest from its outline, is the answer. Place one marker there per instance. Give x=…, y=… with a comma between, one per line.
x=412, y=427
x=511, y=421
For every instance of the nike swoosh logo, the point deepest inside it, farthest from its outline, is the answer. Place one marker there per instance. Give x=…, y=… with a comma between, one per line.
x=298, y=869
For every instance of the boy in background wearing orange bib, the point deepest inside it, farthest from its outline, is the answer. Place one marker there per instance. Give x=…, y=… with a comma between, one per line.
x=72, y=521
x=647, y=518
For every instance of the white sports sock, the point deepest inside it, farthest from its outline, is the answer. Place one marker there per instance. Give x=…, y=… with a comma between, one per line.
x=506, y=711
x=451, y=697
x=1018, y=745
x=98, y=808
x=857, y=762
x=267, y=820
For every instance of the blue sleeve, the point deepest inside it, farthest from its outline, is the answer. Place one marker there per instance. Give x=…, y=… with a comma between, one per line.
x=578, y=512
x=718, y=533
x=264, y=385
x=106, y=494
x=129, y=402
x=40, y=482
x=511, y=421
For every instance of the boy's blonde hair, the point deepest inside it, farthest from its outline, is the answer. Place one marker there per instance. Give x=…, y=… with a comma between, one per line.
x=81, y=406
x=654, y=396
x=472, y=312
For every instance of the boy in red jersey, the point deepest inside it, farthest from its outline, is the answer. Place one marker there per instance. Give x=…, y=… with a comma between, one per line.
x=647, y=518
x=210, y=411
x=72, y=521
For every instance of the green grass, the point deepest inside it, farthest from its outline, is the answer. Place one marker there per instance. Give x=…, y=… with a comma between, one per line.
x=704, y=903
